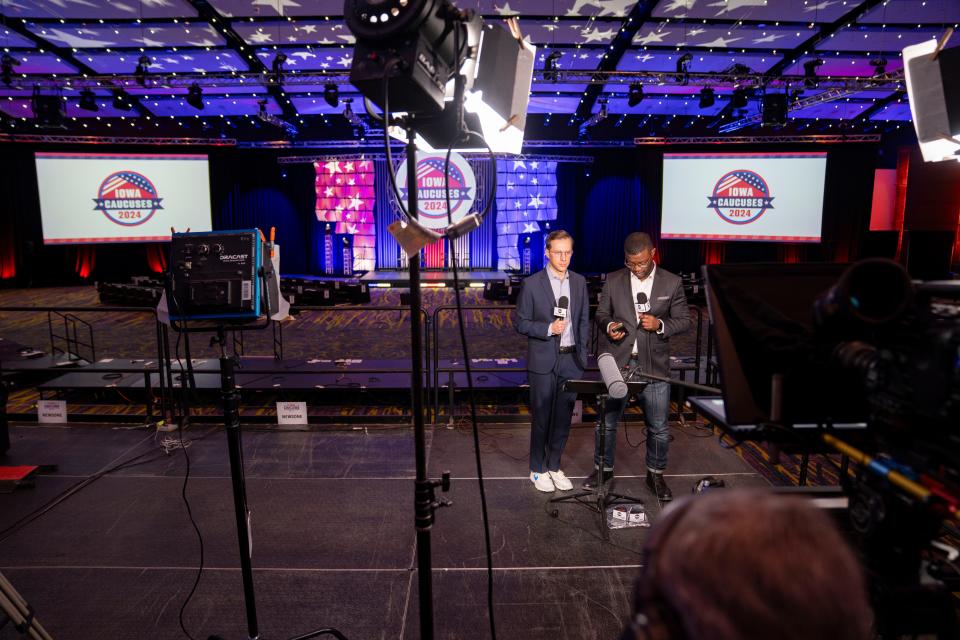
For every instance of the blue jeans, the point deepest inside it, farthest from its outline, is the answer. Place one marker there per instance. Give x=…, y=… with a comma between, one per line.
x=655, y=401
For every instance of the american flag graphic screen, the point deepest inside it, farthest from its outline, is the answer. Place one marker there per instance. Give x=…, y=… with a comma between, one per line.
x=526, y=198
x=346, y=197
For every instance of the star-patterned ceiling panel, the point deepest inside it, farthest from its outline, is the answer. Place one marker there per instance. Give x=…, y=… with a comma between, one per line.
x=163, y=62
x=702, y=62
x=550, y=32
x=842, y=66
x=316, y=59
x=329, y=32
x=553, y=104
x=21, y=108
x=874, y=39
x=98, y=9
x=565, y=8
x=721, y=36
x=233, y=106
x=42, y=63
x=914, y=11
x=831, y=110
x=11, y=39
x=315, y=104
x=663, y=105
x=773, y=10
x=101, y=36
x=273, y=8
x=898, y=111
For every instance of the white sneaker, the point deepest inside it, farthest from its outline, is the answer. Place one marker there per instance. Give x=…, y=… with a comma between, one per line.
x=560, y=480
x=542, y=481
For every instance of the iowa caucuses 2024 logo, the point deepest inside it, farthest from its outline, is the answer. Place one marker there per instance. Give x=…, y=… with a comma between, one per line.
x=740, y=197
x=127, y=198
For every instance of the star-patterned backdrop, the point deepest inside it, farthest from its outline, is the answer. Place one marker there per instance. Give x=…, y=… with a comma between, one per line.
x=526, y=198
x=346, y=196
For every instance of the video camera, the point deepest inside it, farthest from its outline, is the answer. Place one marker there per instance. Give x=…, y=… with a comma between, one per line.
x=861, y=360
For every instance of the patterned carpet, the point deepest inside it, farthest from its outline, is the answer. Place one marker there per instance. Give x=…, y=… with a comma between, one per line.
x=328, y=333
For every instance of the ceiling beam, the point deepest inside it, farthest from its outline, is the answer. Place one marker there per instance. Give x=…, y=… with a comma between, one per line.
x=620, y=43
x=66, y=54
x=879, y=105
x=248, y=54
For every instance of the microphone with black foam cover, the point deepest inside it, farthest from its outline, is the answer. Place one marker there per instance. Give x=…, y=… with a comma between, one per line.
x=560, y=311
x=610, y=372
x=643, y=305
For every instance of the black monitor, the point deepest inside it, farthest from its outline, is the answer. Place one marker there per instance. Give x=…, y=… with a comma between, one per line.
x=763, y=322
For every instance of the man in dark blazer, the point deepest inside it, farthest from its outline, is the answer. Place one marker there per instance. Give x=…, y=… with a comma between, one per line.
x=637, y=331
x=556, y=352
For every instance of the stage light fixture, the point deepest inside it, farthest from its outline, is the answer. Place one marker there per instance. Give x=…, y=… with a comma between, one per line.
x=683, y=68
x=550, y=66
x=739, y=99
x=48, y=110
x=277, y=66
x=122, y=100
x=195, y=96
x=413, y=43
x=331, y=94
x=635, y=94
x=932, y=74
x=7, y=63
x=879, y=66
x=141, y=70
x=707, y=97
x=810, y=72
x=774, y=110
x=88, y=101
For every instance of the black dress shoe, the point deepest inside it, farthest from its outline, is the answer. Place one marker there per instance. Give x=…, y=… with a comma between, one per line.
x=591, y=480
x=658, y=485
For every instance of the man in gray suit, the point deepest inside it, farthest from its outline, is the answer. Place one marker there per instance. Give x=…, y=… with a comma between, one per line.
x=553, y=311
x=641, y=306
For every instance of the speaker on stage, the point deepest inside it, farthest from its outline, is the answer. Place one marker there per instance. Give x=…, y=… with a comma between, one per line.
x=928, y=253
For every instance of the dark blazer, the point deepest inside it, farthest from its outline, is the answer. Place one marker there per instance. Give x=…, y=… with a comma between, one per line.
x=535, y=313
x=617, y=304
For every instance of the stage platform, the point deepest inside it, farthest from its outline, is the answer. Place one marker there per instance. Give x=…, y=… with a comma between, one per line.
x=401, y=279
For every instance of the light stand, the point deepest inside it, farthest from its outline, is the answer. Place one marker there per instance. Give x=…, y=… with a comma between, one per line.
x=231, y=423
x=600, y=498
x=425, y=502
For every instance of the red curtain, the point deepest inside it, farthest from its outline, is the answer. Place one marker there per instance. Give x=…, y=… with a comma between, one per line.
x=900, y=203
x=713, y=252
x=157, y=257
x=86, y=260
x=434, y=255
x=790, y=253
x=8, y=256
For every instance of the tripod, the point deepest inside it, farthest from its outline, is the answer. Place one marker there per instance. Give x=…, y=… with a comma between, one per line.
x=19, y=613
x=600, y=498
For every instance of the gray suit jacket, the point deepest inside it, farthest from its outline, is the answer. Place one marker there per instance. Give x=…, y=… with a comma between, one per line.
x=617, y=304
x=535, y=313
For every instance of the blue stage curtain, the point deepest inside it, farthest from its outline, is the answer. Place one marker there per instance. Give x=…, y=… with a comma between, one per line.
x=251, y=190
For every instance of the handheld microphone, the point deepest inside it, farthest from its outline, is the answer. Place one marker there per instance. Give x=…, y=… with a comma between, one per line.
x=610, y=372
x=560, y=311
x=643, y=305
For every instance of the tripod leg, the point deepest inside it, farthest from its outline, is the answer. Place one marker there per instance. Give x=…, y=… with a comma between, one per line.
x=18, y=611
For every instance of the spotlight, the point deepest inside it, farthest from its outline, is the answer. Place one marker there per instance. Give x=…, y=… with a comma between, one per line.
x=774, y=110
x=88, y=101
x=141, y=71
x=635, y=94
x=879, y=66
x=331, y=93
x=7, y=63
x=122, y=100
x=277, y=66
x=739, y=99
x=707, y=97
x=810, y=72
x=683, y=68
x=550, y=66
x=195, y=96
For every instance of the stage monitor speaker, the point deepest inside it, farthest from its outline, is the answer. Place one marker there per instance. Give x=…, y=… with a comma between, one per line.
x=933, y=85
x=929, y=253
x=878, y=244
x=774, y=109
